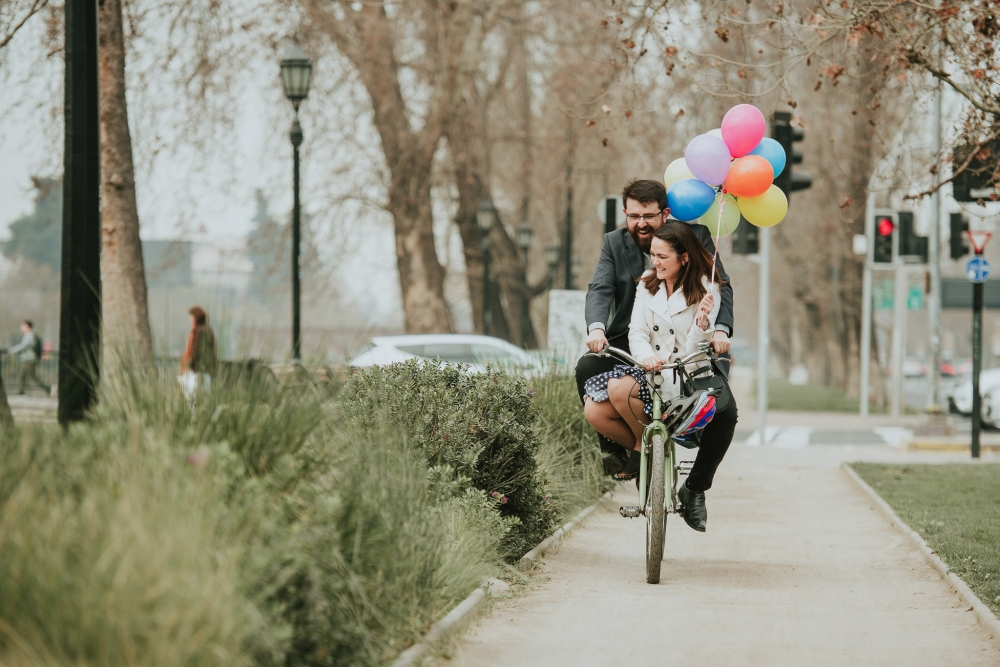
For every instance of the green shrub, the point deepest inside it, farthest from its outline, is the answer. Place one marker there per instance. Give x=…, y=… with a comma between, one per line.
x=479, y=425
x=376, y=551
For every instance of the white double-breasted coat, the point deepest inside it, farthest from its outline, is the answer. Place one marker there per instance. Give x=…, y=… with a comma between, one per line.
x=664, y=327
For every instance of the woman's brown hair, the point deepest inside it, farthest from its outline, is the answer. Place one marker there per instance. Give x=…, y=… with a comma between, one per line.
x=683, y=240
x=199, y=315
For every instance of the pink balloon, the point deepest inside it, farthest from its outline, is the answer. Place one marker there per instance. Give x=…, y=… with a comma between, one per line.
x=743, y=128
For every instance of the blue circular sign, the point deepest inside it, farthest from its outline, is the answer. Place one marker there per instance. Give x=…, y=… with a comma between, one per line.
x=977, y=270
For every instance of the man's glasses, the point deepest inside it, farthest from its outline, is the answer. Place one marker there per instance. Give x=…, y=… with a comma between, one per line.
x=649, y=217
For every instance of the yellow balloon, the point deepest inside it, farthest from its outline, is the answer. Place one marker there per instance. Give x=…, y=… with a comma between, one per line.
x=676, y=171
x=766, y=210
x=730, y=216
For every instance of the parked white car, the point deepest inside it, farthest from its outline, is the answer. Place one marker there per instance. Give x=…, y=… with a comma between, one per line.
x=468, y=349
x=961, y=396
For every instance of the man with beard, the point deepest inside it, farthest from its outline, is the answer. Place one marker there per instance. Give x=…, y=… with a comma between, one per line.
x=611, y=294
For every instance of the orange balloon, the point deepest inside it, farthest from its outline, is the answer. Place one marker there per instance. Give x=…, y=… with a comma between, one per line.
x=749, y=176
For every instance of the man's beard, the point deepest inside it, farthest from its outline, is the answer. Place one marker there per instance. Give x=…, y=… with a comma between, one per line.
x=644, y=244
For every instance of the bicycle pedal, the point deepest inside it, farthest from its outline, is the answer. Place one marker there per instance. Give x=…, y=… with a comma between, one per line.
x=684, y=467
x=630, y=511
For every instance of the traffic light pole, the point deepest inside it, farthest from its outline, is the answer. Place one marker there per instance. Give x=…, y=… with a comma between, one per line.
x=977, y=364
x=934, y=265
x=866, y=304
x=763, y=331
x=898, y=328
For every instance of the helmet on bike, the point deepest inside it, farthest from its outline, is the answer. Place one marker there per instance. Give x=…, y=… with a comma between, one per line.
x=696, y=417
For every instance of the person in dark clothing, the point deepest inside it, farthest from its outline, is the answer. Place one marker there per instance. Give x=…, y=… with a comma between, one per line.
x=610, y=299
x=200, y=355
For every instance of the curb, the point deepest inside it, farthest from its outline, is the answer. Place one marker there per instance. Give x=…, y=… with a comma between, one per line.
x=442, y=628
x=527, y=560
x=984, y=614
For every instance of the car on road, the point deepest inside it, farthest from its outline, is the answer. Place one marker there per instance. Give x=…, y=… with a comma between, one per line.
x=960, y=399
x=914, y=368
x=471, y=350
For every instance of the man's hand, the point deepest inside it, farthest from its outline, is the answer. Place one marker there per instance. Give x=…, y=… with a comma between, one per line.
x=596, y=341
x=720, y=342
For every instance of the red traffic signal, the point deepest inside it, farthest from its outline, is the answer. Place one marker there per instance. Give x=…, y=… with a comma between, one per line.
x=884, y=226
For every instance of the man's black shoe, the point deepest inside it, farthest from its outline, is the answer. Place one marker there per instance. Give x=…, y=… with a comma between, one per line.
x=614, y=462
x=695, y=514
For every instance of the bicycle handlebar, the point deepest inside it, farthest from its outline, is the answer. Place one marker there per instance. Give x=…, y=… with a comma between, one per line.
x=702, y=352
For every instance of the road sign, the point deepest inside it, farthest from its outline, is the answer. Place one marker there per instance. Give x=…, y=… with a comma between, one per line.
x=611, y=212
x=977, y=270
x=979, y=240
x=915, y=299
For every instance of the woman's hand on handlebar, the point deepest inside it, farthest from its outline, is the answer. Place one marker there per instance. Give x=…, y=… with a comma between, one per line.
x=653, y=363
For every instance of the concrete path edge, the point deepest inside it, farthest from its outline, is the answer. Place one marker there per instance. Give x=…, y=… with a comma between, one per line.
x=984, y=614
x=413, y=655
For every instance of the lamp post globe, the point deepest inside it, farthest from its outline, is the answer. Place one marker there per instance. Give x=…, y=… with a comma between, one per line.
x=552, y=252
x=524, y=234
x=485, y=215
x=296, y=74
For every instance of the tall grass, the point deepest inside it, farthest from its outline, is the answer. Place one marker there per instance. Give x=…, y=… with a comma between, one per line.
x=258, y=524
x=568, y=457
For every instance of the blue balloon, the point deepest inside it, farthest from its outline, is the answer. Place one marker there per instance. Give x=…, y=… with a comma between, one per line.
x=771, y=150
x=690, y=199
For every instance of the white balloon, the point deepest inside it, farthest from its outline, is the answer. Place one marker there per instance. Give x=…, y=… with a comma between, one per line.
x=676, y=171
x=717, y=132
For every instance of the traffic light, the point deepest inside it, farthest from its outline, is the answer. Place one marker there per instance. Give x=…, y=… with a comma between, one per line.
x=976, y=181
x=745, y=239
x=789, y=180
x=885, y=226
x=959, y=243
x=911, y=245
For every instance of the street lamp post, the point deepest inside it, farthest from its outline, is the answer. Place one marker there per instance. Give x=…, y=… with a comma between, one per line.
x=296, y=73
x=485, y=216
x=524, y=234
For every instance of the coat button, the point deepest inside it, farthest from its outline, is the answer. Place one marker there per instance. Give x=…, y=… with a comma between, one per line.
x=671, y=331
x=675, y=350
x=658, y=347
x=656, y=327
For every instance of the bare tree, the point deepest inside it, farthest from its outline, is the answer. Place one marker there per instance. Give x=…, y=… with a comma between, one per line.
x=438, y=45
x=14, y=14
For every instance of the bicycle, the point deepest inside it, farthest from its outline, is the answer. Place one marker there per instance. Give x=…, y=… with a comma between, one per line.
x=659, y=469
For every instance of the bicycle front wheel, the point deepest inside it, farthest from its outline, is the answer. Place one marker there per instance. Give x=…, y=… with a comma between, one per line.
x=656, y=516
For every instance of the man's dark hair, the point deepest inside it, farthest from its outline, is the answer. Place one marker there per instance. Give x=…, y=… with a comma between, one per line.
x=645, y=192
x=29, y=323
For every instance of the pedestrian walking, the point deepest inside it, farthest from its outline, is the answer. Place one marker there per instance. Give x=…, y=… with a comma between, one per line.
x=29, y=352
x=200, y=357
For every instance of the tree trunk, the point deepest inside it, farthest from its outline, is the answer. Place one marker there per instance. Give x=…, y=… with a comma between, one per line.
x=421, y=276
x=124, y=309
x=6, y=417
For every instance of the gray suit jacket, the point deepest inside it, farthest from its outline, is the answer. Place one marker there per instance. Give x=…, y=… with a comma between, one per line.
x=611, y=293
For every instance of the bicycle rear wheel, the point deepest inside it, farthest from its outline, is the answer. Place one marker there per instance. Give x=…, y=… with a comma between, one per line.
x=656, y=516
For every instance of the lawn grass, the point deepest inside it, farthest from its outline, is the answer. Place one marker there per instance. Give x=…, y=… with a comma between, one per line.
x=782, y=395
x=956, y=509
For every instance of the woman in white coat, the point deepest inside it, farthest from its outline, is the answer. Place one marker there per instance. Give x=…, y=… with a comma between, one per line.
x=676, y=305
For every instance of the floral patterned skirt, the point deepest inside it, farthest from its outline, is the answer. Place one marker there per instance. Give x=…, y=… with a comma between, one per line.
x=597, y=387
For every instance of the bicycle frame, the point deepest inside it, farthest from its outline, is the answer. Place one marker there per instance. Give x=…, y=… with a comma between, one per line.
x=657, y=426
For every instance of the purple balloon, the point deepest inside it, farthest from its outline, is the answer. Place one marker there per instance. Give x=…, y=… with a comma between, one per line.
x=707, y=157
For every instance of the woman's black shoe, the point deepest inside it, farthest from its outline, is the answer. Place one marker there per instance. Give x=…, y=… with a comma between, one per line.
x=631, y=470
x=614, y=462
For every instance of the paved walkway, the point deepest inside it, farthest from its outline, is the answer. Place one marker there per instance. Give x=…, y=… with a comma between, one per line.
x=797, y=568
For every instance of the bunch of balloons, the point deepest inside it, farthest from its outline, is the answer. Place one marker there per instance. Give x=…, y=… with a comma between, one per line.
x=727, y=172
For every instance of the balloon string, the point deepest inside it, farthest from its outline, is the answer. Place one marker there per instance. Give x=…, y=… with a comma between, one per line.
x=718, y=235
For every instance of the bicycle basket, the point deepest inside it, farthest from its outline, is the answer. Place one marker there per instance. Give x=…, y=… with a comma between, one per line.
x=700, y=415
